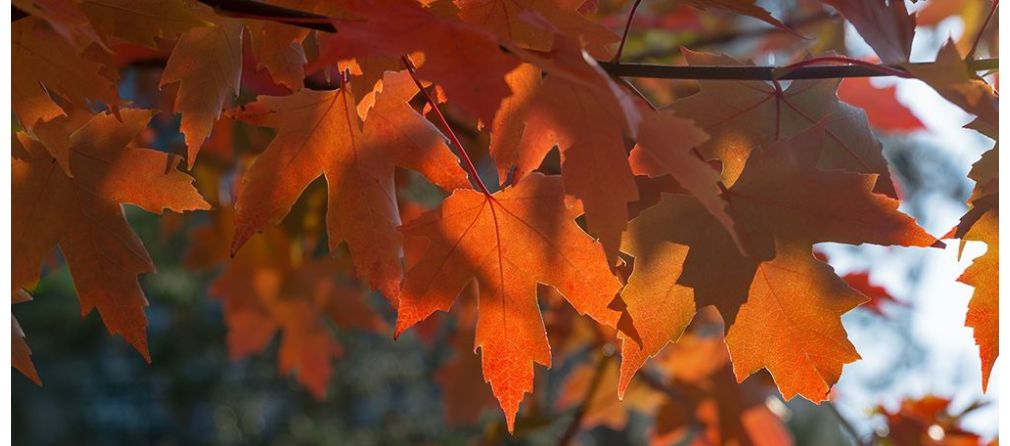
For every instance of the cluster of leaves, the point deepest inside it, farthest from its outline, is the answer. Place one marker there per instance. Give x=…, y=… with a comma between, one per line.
x=714, y=200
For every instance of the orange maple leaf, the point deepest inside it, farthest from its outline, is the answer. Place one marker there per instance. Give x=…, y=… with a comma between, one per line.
x=84, y=216
x=981, y=223
x=983, y=274
x=320, y=133
x=508, y=242
x=207, y=65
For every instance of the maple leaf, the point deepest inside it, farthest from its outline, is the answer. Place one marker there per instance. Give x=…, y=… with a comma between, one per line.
x=791, y=324
x=207, y=65
x=783, y=205
x=886, y=26
x=463, y=59
x=270, y=288
x=983, y=274
x=83, y=214
x=657, y=267
x=21, y=354
x=508, y=242
x=953, y=79
x=320, y=133
x=507, y=18
x=741, y=115
x=883, y=110
x=981, y=223
x=45, y=65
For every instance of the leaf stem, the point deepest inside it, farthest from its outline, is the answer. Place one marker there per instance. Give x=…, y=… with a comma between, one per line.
x=978, y=37
x=468, y=163
x=627, y=27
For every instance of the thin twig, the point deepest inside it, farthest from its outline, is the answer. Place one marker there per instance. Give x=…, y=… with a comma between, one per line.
x=587, y=400
x=846, y=425
x=627, y=27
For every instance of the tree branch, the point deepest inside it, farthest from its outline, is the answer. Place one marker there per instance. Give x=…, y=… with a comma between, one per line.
x=765, y=73
x=627, y=28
